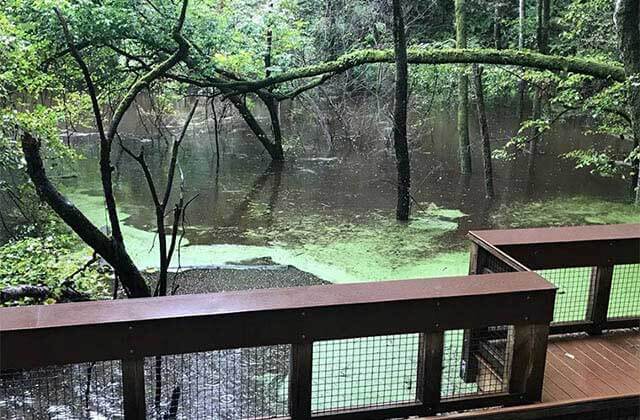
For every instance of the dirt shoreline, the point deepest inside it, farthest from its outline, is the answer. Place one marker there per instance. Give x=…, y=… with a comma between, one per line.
x=213, y=280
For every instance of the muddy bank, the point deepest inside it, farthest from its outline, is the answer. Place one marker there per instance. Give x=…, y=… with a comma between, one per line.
x=216, y=279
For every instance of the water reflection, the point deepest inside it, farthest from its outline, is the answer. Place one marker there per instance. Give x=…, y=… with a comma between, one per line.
x=252, y=201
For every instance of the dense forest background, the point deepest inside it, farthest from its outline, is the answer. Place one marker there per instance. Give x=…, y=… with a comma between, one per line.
x=139, y=76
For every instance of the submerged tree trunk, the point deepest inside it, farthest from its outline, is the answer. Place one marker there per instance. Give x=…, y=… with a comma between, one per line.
x=463, y=92
x=274, y=148
x=542, y=37
x=484, y=131
x=498, y=12
x=627, y=22
x=522, y=84
x=400, y=144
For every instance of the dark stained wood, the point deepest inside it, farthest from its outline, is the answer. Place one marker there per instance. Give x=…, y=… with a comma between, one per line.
x=586, y=377
x=431, y=383
x=558, y=234
x=226, y=303
x=599, y=294
x=133, y=389
x=529, y=354
x=593, y=366
x=183, y=324
x=607, y=371
x=300, y=381
x=577, y=246
x=621, y=406
x=399, y=411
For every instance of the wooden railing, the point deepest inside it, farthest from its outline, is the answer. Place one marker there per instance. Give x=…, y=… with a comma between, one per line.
x=586, y=263
x=520, y=305
x=621, y=407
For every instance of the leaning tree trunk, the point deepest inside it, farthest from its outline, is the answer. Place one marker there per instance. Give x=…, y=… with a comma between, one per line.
x=401, y=147
x=484, y=131
x=463, y=92
x=111, y=250
x=274, y=148
x=627, y=22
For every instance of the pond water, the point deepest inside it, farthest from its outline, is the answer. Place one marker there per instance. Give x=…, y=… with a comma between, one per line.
x=333, y=216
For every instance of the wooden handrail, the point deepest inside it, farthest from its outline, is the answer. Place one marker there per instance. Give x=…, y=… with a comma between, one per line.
x=130, y=330
x=600, y=247
x=551, y=410
x=564, y=247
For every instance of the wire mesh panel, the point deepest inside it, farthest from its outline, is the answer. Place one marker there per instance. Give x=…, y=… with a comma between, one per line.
x=490, y=351
x=78, y=391
x=574, y=292
x=493, y=264
x=227, y=384
x=369, y=372
x=625, y=291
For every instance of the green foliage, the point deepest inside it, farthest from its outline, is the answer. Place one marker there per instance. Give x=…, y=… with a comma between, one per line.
x=599, y=162
x=587, y=27
x=51, y=260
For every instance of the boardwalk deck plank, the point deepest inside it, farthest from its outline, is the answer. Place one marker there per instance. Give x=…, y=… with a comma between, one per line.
x=596, y=366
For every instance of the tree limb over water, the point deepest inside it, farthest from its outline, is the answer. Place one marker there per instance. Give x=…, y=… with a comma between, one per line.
x=529, y=59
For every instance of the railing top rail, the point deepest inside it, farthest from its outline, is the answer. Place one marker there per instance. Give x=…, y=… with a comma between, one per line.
x=507, y=237
x=255, y=301
x=110, y=330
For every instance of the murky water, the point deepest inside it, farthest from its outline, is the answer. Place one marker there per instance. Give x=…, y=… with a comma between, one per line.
x=333, y=215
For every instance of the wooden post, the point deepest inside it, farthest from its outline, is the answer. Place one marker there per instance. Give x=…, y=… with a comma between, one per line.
x=469, y=365
x=529, y=357
x=300, y=381
x=599, y=294
x=133, y=389
x=430, y=371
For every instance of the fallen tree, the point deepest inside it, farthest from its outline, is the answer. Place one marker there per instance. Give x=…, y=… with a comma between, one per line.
x=597, y=69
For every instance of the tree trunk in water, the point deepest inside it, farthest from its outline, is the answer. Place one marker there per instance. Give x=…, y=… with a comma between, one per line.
x=522, y=85
x=274, y=149
x=544, y=15
x=484, y=132
x=497, y=25
x=401, y=147
x=112, y=251
x=627, y=22
x=463, y=92
x=273, y=106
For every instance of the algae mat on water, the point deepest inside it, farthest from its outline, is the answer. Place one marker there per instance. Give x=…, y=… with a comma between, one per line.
x=573, y=283
x=332, y=247
x=565, y=211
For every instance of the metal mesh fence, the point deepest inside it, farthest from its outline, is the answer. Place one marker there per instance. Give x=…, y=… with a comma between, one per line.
x=486, y=352
x=368, y=372
x=78, y=391
x=574, y=292
x=625, y=291
x=493, y=264
x=227, y=384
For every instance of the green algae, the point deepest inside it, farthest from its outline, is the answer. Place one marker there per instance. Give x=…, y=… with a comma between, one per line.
x=565, y=211
x=363, y=248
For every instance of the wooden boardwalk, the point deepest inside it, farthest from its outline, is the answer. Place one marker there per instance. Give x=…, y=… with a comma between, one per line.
x=584, y=377
x=592, y=366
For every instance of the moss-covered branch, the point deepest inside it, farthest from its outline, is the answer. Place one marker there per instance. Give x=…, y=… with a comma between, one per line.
x=529, y=59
